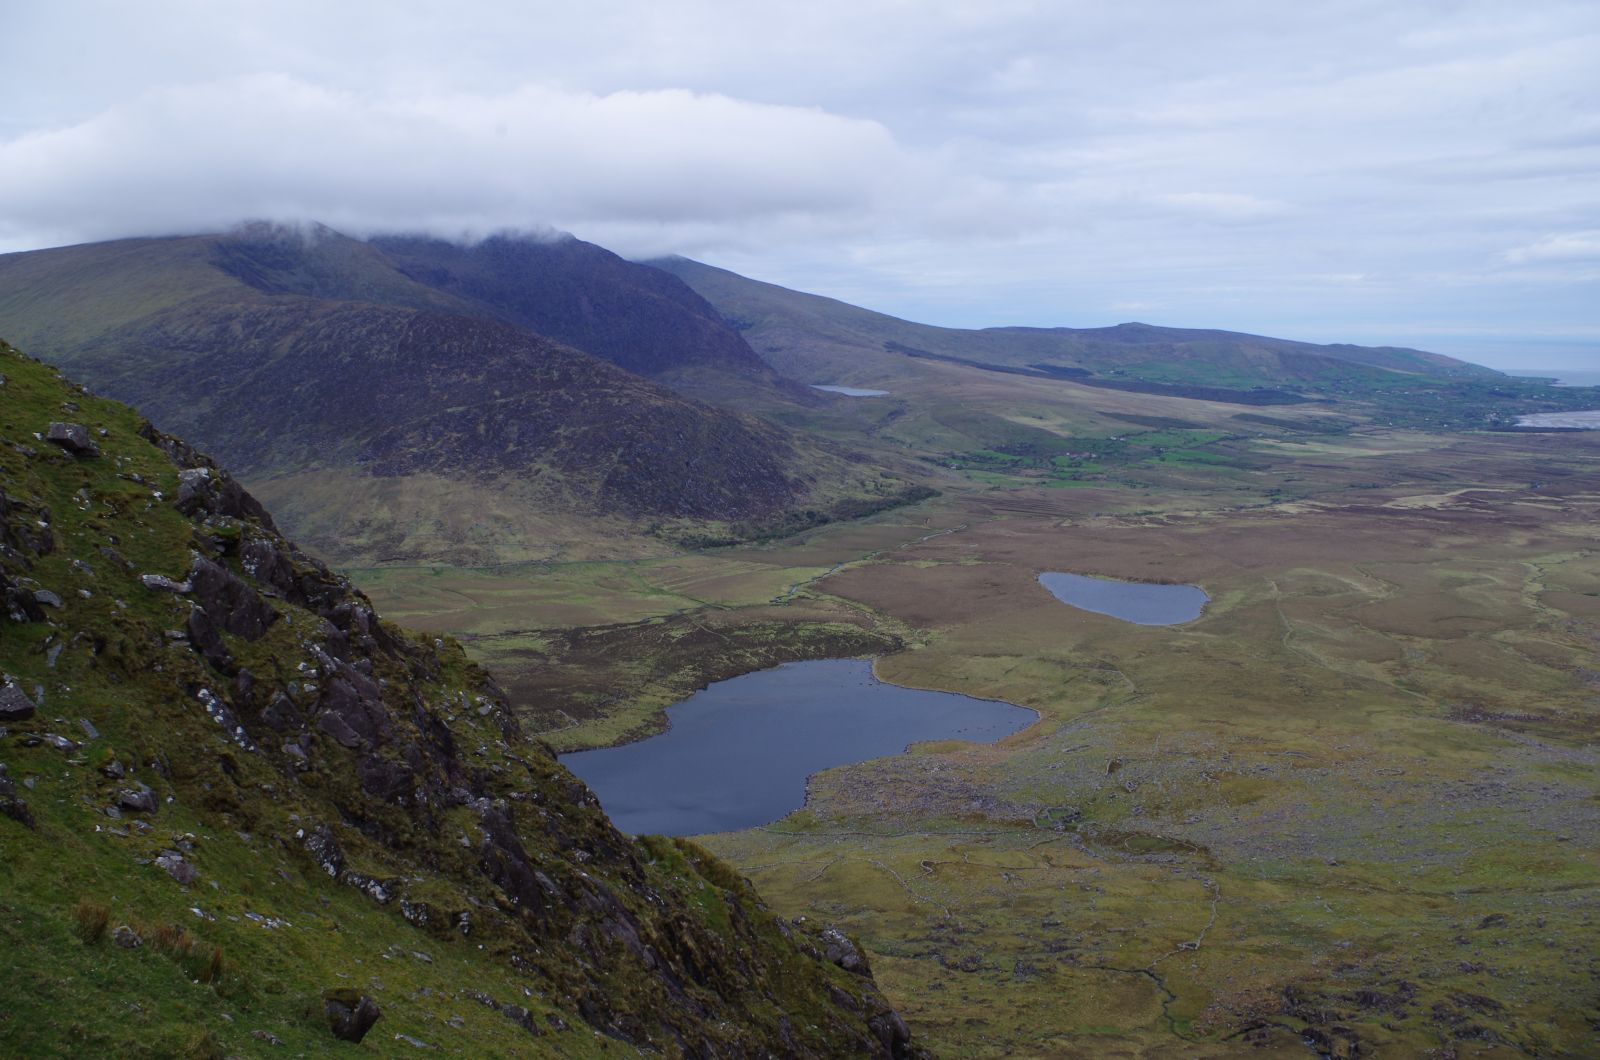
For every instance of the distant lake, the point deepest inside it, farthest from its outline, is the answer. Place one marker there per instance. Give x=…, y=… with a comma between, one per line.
x=737, y=754
x=1141, y=602
x=849, y=391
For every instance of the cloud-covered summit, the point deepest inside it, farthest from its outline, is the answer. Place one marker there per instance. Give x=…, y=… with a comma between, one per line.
x=1356, y=170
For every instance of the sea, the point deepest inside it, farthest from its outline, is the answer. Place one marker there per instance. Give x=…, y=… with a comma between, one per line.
x=1563, y=376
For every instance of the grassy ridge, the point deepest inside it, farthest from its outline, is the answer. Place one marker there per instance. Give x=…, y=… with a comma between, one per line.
x=267, y=793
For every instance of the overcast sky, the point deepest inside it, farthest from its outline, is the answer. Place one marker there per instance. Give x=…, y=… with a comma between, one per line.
x=1395, y=171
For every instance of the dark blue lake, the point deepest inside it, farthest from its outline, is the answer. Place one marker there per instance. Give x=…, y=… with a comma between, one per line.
x=738, y=753
x=1141, y=602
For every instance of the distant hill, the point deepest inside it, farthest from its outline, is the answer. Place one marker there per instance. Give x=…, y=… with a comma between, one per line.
x=241, y=814
x=822, y=340
x=393, y=421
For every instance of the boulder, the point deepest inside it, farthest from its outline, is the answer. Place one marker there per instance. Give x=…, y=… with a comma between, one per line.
x=140, y=799
x=15, y=704
x=350, y=1013
x=171, y=862
x=73, y=437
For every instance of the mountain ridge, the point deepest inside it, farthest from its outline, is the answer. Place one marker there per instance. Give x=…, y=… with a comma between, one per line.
x=293, y=353
x=811, y=336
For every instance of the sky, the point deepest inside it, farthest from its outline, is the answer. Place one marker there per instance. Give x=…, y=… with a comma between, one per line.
x=1407, y=172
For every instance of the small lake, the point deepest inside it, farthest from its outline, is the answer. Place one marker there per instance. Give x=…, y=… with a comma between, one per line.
x=1141, y=602
x=738, y=753
x=850, y=391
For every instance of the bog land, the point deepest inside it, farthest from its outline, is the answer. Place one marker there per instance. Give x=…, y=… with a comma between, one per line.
x=1354, y=803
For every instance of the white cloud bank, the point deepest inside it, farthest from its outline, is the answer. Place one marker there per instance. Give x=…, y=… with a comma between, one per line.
x=200, y=157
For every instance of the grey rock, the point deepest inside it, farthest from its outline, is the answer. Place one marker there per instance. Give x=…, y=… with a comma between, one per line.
x=892, y=1033
x=235, y=607
x=140, y=799
x=46, y=597
x=126, y=937
x=842, y=951
x=172, y=863
x=88, y=728
x=15, y=704
x=73, y=437
x=266, y=1036
x=164, y=583
x=350, y=1013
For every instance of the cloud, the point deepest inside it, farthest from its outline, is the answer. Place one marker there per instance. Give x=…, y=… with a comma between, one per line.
x=1235, y=163
x=202, y=156
x=1568, y=246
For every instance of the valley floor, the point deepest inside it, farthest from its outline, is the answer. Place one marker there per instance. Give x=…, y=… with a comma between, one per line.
x=1354, y=805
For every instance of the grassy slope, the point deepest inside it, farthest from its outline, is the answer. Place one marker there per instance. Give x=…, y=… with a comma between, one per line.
x=612, y=942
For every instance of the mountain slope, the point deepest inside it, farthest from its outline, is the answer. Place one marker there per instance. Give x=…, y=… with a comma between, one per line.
x=330, y=379
x=238, y=810
x=820, y=339
x=581, y=295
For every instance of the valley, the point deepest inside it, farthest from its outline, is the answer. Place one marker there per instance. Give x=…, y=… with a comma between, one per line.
x=1353, y=804
x=1351, y=807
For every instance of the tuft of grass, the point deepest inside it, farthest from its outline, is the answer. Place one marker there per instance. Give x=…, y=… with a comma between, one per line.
x=203, y=1045
x=91, y=919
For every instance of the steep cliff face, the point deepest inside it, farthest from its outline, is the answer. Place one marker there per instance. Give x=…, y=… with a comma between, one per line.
x=242, y=811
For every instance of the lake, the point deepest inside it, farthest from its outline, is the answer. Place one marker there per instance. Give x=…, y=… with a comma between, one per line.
x=849, y=391
x=1141, y=602
x=737, y=754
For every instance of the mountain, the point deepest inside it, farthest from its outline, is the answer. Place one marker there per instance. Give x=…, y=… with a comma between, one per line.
x=822, y=340
x=582, y=295
x=239, y=810
x=392, y=421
